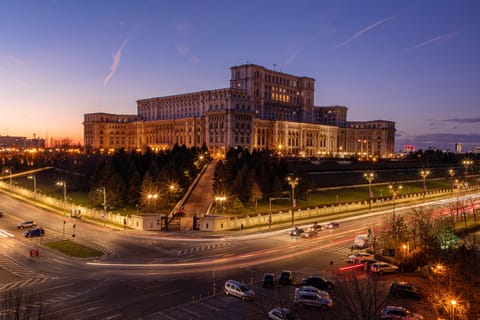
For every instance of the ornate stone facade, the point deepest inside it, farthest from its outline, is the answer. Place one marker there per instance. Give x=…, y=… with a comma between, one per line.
x=262, y=109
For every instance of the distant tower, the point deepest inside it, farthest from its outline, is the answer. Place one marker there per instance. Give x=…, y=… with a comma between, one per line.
x=458, y=147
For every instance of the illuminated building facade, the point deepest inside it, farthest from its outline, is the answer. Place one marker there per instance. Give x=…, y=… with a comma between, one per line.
x=263, y=109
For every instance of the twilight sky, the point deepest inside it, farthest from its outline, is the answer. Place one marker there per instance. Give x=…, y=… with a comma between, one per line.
x=413, y=62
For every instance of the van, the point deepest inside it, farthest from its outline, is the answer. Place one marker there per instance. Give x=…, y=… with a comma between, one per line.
x=361, y=241
x=238, y=289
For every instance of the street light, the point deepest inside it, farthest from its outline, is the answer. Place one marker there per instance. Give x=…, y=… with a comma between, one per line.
x=454, y=304
x=34, y=185
x=369, y=176
x=404, y=247
x=466, y=163
x=394, y=190
x=293, y=182
x=424, y=174
x=64, y=185
x=104, y=191
x=9, y=171
x=221, y=199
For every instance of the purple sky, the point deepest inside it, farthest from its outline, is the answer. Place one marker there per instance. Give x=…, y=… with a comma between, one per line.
x=413, y=62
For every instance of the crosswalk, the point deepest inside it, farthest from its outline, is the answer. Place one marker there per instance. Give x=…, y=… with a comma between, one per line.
x=28, y=276
x=203, y=247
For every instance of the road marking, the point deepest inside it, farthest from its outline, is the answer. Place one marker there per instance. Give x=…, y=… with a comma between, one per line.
x=6, y=234
x=210, y=307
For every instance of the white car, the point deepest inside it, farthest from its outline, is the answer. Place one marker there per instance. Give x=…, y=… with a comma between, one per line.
x=353, y=258
x=398, y=313
x=304, y=289
x=238, y=289
x=314, y=300
x=282, y=314
x=383, y=267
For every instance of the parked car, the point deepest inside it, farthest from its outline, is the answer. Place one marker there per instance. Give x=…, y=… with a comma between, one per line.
x=37, y=232
x=296, y=232
x=314, y=300
x=238, y=289
x=358, y=256
x=405, y=290
x=332, y=225
x=310, y=233
x=26, y=224
x=304, y=289
x=269, y=280
x=398, y=313
x=318, y=282
x=383, y=267
x=286, y=277
x=282, y=314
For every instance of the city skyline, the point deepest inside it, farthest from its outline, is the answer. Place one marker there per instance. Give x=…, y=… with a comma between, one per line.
x=409, y=62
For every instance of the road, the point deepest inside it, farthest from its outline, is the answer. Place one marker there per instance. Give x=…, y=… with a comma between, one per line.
x=160, y=275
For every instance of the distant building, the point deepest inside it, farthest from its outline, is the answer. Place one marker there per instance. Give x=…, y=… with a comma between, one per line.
x=21, y=142
x=407, y=148
x=458, y=148
x=263, y=109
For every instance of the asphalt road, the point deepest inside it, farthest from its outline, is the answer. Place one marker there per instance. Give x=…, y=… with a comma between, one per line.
x=162, y=276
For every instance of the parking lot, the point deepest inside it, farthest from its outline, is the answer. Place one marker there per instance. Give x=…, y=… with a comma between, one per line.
x=225, y=307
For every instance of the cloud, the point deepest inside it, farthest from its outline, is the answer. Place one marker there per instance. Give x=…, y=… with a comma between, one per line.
x=363, y=31
x=443, y=37
x=183, y=48
x=464, y=120
x=115, y=63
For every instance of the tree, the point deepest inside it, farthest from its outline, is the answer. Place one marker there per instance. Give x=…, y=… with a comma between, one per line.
x=359, y=298
x=255, y=194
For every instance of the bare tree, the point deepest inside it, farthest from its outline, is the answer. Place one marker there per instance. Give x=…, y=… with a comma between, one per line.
x=18, y=304
x=359, y=297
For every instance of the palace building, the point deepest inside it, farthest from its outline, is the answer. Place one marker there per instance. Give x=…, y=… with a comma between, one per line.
x=262, y=109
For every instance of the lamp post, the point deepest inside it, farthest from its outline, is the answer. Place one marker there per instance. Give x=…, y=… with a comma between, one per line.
x=270, y=209
x=221, y=199
x=369, y=176
x=466, y=163
x=34, y=185
x=64, y=185
x=293, y=182
x=424, y=174
x=9, y=171
x=394, y=190
x=104, y=191
x=454, y=304
x=404, y=247
x=451, y=173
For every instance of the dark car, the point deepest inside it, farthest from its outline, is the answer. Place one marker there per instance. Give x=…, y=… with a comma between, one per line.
x=286, y=277
x=38, y=232
x=296, y=232
x=332, y=225
x=405, y=290
x=318, y=227
x=318, y=282
x=269, y=280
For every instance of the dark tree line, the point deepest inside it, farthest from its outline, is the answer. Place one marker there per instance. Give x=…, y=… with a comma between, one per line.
x=248, y=177
x=148, y=181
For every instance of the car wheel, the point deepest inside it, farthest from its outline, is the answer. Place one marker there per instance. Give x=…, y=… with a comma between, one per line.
x=324, y=307
x=244, y=298
x=226, y=293
x=330, y=286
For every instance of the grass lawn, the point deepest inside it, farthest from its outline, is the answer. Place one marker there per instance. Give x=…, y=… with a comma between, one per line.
x=74, y=249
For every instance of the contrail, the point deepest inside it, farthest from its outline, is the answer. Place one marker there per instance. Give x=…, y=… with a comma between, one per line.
x=432, y=41
x=115, y=63
x=361, y=32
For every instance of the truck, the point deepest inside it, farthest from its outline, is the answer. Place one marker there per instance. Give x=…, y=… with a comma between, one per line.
x=361, y=241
